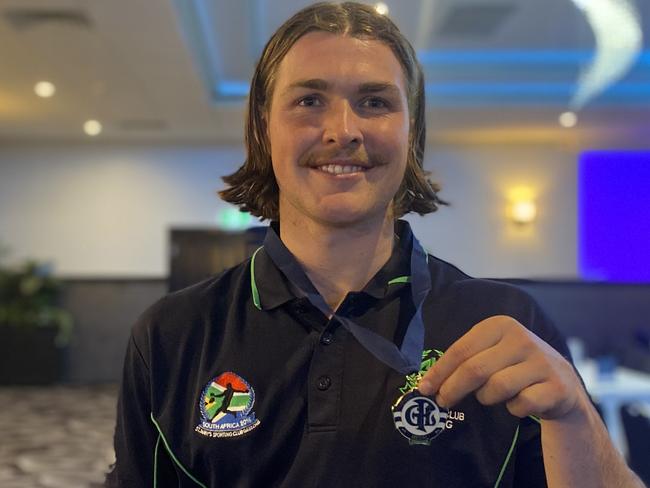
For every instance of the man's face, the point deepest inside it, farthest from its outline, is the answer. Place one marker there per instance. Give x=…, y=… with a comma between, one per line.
x=339, y=129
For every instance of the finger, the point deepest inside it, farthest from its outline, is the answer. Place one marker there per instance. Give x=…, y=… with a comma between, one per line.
x=482, y=336
x=530, y=401
x=506, y=384
x=474, y=373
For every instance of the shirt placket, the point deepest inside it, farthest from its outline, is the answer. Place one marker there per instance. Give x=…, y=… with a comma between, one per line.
x=325, y=379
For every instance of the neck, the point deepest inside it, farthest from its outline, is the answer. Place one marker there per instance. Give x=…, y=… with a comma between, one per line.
x=338, y=260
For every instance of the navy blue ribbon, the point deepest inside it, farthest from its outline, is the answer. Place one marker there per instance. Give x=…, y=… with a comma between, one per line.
x=406, y=359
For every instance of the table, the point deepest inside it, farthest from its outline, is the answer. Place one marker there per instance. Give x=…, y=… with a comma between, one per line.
x=624, y=386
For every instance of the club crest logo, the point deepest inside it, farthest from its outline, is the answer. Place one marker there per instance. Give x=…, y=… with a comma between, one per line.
x=226, y=407
x=418, y=418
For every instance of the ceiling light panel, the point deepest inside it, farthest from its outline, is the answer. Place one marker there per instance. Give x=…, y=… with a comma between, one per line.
x=618, y=34
x=483, y=53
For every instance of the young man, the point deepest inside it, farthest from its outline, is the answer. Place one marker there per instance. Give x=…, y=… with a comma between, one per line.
x=341, y=354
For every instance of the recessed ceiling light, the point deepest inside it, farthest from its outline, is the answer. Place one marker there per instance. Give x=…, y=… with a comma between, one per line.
x=381, y=8
x=44, y=89
x=568, y=119
x=92, y=127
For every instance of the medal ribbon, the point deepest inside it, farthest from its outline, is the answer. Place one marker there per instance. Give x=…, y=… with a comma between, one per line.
x=406, y=359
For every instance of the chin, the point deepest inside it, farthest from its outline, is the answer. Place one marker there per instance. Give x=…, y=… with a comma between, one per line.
x=345, y=216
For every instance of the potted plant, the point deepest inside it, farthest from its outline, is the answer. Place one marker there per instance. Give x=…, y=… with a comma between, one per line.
x=33, y=328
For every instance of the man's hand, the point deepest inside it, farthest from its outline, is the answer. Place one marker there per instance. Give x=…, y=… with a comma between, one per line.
x=502, y=361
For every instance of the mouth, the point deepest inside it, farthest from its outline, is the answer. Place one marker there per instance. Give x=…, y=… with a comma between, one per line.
x=339, y=168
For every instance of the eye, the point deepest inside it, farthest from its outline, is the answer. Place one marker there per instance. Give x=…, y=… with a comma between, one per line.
x=374, y=103
x=309, y=101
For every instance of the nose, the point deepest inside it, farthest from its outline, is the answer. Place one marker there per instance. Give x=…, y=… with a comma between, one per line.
x=342, y=125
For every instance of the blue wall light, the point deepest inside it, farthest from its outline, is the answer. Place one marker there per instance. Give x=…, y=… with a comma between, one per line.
x=614, y=216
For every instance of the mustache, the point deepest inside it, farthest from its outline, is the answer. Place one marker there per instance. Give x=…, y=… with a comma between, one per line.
x=356, y=157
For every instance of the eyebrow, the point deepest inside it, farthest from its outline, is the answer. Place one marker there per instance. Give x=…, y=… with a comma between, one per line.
x=375, y=87
x=313, y=84
x=322, y=85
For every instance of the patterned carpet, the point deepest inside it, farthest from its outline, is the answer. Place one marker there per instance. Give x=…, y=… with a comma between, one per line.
x=56, y=436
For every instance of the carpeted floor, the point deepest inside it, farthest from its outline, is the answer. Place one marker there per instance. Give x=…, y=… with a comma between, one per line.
x=56, y=436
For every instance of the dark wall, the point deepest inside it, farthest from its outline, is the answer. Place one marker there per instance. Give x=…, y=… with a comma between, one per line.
x=104, y=311
x=610, y=319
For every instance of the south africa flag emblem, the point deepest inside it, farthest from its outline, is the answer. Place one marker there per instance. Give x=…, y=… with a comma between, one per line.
x=226, y=407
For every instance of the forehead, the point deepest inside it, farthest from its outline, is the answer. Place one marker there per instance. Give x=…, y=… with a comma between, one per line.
x=339, y=59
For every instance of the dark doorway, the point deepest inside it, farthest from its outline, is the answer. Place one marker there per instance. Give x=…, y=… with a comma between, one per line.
x=196, y=254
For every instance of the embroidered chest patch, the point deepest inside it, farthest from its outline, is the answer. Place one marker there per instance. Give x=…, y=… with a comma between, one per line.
x=226, y=407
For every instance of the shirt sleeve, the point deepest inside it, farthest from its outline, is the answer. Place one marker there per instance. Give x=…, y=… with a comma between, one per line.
x=141, y=458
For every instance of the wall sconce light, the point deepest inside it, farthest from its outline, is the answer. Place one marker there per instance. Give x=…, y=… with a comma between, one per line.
x=522, y=209
x=523, y=212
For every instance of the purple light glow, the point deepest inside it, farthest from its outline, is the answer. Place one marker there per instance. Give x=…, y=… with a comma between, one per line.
x=614, y=216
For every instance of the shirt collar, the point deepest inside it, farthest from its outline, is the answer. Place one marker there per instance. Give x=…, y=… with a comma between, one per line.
x=270, y=288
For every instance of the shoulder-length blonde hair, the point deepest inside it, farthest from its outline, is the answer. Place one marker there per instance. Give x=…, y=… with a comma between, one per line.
x=253, y=186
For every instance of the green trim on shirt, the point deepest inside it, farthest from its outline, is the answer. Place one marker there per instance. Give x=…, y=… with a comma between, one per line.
x=400, y=279
x=505, y=463
x=171, y=454
x=254, y=291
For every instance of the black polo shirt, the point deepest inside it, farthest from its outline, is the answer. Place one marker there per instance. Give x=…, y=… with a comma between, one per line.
x=236, y=382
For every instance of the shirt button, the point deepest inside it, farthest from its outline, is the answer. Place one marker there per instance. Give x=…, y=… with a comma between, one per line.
x=327, y=338
x=301, y=308
x=324, y=382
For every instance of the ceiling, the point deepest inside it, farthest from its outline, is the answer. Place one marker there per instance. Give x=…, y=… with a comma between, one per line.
x=497, y=71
